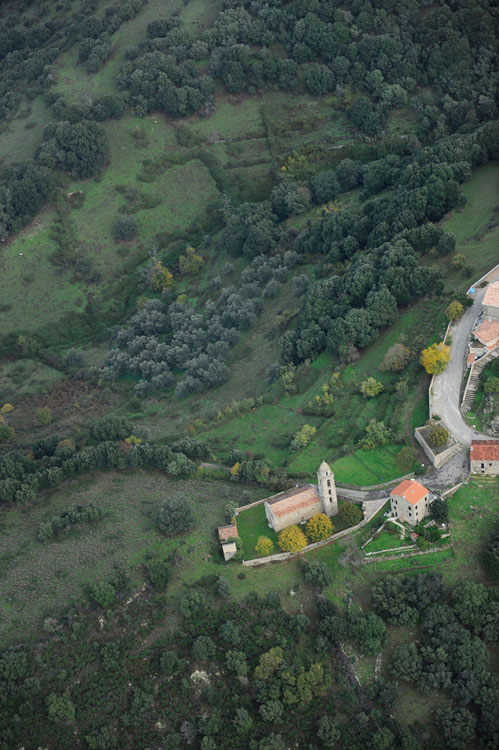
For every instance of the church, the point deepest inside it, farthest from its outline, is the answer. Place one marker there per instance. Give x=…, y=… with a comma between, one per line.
x=301, y=503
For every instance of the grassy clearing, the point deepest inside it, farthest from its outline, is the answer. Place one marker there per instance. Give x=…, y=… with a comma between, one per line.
x=385, y=540
x=252, y=524
x=39, y=579
x=26, y=377
x=20, y=137
x=32, y=290
x=476, y=227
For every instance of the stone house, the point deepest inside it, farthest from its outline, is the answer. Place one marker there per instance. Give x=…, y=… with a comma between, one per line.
x=484, y=457
x=301, y=503
x=410, y=501
x=487, y=330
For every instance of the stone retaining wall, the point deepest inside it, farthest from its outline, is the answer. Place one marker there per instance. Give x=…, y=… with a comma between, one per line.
x=437, y=459
x=369, y=560
x=287, y=555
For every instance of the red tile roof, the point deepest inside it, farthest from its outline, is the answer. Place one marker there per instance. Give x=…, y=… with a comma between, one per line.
x=227, y=532
x=411, y=490
x=488, y=332
x=492, y=295
x=484, y=450
x=292, y=500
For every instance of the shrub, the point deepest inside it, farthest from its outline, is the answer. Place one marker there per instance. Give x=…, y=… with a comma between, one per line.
x=44, y=415
x=319, y=527
x=303, y=437
x=292, y=539
x=454, y=310
x=396, y=358
x=159, y=572
x=102, y=593
x=126, y=227
x=174, y=517
x=60, y=708
x=349, y=514
x=264, y=546
x=439, y=510
x=371, y=387
x=438, y=435
x=318, y=574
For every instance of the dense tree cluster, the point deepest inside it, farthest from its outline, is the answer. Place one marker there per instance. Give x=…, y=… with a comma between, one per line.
x=21, y=478
x=451, y=653
x=381, y=246
x=239, y=675
x=160, y=338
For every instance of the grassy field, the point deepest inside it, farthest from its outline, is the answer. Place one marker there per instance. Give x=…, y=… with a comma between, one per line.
x=476, y=227
x=251, y=524
x=385, y=540
x=41, y=579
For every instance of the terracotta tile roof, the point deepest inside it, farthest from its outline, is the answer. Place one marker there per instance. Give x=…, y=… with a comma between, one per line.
x=227, y=532
x=470, y=359
x=411, y=490
x=488, y=331
x=292, y=500
x=492, y=295
x=484, y=450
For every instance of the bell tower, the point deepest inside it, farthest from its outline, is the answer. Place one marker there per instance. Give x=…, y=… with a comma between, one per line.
x=327, y=489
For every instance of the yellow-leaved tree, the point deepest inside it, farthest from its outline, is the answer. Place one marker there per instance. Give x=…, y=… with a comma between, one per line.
x=191, y=262
x=161, y=277
x=435, y=358
x=454, y=310
x=264, y=546
x=319, y=527
x=292, y=539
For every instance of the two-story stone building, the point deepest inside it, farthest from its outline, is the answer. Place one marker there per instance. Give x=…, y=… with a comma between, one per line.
x=484, y=457
x=410, y=501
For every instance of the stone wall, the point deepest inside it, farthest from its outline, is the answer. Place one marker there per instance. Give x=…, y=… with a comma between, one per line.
x=440, y=458
x=287, y=555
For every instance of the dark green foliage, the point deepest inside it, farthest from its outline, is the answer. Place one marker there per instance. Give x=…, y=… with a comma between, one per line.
x=324, y=186
x=317, y=574
x=250, y=230
x=78, y=148
x=491, y=555
x=159, y=573
x=174, y=516
x=72, y=516
x=126, y=227
x=458, y=727
x=103, y=593
x=399, y=599
x=439, y=510
x=110, y=428
x=406, y=663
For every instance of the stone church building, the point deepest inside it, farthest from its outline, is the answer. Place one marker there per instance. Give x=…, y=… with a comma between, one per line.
x=301, y=503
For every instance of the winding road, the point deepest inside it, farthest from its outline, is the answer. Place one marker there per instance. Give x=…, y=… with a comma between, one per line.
x=447, y=385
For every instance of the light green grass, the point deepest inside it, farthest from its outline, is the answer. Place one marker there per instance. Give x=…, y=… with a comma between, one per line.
x=20, y=137
x=384, y=540
x=252, y=524
x=34, y=288
x=476, y=227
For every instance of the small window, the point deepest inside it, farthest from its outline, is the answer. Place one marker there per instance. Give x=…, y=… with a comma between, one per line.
x=329, y=483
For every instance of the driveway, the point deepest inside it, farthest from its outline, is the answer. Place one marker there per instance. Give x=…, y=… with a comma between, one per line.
x=447, y=385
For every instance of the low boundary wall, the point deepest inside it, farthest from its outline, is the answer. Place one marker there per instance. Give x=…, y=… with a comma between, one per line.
x=287, y=555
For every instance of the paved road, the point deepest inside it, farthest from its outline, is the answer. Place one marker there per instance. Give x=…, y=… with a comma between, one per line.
x=447, y=386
